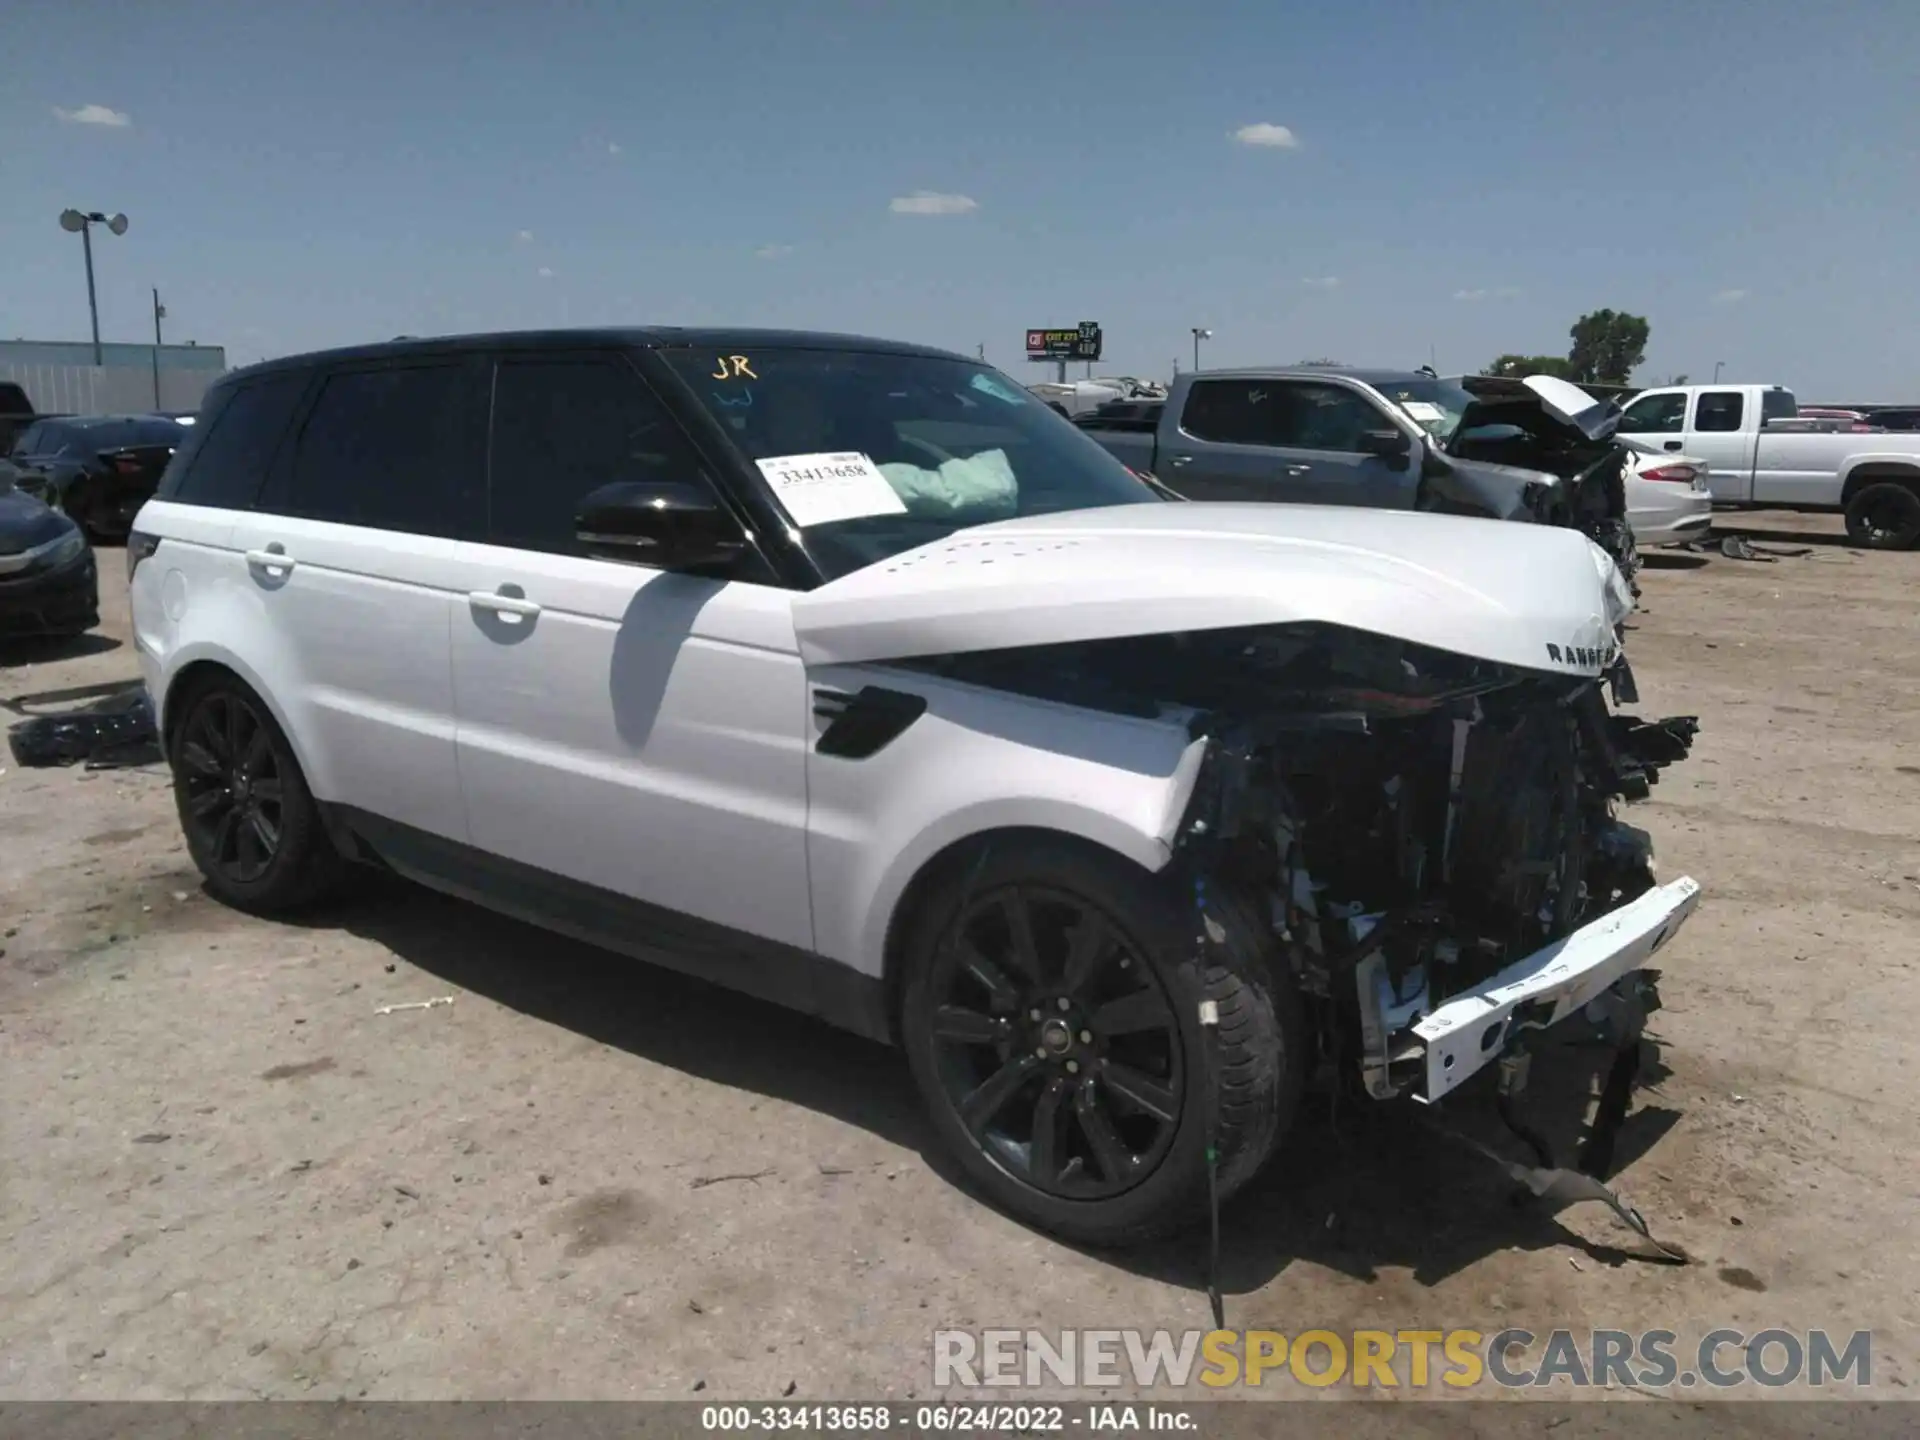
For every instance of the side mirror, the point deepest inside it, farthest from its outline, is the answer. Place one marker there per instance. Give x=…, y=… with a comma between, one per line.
x=664, y=524
x=1392, y=445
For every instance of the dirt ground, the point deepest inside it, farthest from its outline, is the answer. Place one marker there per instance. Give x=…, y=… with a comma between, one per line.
x=224, y=1174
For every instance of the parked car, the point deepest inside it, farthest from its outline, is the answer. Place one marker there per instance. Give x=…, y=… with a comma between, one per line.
x=847, y=673
x=1896, y=417
x=1383, y=439
x=100, y=469
x=48, y=581
x=16, y=413
x=1874, y=480
x=1668, y=497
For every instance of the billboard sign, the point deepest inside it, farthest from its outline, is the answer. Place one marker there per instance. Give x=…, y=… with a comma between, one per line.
x=1082, y=342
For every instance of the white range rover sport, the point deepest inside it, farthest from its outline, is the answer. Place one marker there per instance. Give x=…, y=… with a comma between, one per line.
x=848, y=674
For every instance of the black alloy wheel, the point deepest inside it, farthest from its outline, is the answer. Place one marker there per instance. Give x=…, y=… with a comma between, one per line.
x=1056, y=1046
x=1053, y=1008
x=1884, y=516
x=233, y=795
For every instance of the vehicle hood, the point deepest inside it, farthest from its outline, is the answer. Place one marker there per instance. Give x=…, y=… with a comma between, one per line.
x=26, y=521
x=1539, y=404
x=1537, y=597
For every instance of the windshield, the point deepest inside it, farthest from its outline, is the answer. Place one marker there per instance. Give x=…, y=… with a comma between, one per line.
x=872, y=454
x=1435, y=405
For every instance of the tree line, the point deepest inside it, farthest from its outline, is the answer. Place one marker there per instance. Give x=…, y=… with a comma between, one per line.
x=1607, y=345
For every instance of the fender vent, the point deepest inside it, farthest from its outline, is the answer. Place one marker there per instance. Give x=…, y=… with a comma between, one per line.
x=865, y=722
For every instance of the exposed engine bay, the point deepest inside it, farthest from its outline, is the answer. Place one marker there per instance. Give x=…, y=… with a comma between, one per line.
x=1508, y=425
x=1416, y=823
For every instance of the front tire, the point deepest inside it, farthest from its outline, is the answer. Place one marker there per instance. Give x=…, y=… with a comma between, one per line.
x=1050, y=1016
x=250, y=822
x=1885, y=516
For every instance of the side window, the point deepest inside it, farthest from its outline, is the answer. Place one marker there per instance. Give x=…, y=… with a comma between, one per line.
x=1779, y=405
x=1718, y=410
x=385, y=448
x=562, y=428
x=225, y=461
x=1321, y=417
x=28, y=440
x=1230, y=412
x=1655, y=415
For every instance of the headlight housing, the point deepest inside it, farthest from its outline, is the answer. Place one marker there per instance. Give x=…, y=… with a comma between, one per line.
x=66, y=549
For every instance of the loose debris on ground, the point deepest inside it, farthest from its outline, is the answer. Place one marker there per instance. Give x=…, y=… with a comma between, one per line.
x=116, y=735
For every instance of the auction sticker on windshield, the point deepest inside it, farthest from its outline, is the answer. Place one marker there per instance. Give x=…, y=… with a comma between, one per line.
x=1425, y=411
x=820, y=489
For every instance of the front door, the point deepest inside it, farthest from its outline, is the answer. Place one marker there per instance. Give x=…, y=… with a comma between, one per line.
x=1283, y=440
x=639, y=732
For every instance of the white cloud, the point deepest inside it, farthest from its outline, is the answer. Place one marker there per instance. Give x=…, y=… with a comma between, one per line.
x=95, y=115
x=1469, y=294
x=772, y=252
x=523, y=237
x=614, y=148
x=1498, y=292
x=545, y=273
x=1729, y=297
x=1322, y=282
x=932, y=202
x=1273, y=137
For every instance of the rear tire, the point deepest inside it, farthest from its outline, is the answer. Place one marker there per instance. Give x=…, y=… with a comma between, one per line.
x=251, y=824
x=1115, y=1071
x=1885, y=515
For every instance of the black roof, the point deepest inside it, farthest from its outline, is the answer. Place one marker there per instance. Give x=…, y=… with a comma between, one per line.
x=652, y=337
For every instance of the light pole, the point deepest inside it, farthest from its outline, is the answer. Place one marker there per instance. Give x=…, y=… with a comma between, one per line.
x=159, y=314
x=1199, y=334
x=82, y=223
x=1716, y=370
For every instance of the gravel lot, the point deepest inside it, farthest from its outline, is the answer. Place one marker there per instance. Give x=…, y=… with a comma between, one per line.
x=223, y=1174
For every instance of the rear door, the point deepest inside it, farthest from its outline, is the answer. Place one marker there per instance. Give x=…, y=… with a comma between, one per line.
x=621, y=727
x=348, y=562
x=1282, y=440
x=1792, y=467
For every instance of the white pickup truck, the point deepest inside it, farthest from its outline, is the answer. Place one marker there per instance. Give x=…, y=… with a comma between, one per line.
x=1874, y=479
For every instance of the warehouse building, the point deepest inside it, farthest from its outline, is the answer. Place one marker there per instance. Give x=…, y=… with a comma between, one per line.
x=61, y=378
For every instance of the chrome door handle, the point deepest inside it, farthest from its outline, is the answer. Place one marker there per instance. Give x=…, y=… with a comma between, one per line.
x=1178, y=460
x=511, y=608
x=273, y=560
x=1299, y=469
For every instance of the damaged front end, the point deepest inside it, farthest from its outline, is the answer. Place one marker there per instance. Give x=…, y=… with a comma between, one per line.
x=1552, y=427
x=1433, y=837
x=1437, y=842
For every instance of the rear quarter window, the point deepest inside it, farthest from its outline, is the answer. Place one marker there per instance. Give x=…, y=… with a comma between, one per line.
x=226, y=457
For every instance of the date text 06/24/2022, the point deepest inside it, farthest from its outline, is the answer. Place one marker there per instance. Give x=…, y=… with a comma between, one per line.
x=941, y=1419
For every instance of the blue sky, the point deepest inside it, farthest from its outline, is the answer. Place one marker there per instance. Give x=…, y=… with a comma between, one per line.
x=1452, y=180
